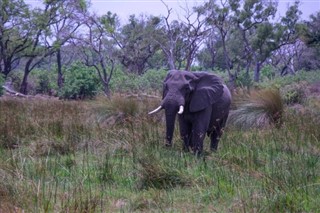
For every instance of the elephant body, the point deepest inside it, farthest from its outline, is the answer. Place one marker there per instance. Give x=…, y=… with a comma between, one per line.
x=202, y=103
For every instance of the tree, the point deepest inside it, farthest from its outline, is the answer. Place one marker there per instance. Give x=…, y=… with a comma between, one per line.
x=252, y=20
x=136, y=42
x=15, y=33
x=168, y=38
x=99, y=48
x=51, y=30
x=69, y=19
x=40, y=23
x=218, y=17
x=312, y=32
x=312, y=39
x=206, y=57
x=194, y=34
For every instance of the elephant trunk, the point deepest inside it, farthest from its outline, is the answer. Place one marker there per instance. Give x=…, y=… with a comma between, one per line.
x=170, y=121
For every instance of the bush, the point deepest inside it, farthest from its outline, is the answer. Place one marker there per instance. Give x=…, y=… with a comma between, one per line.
x=294, y=93
x=45, y=81
x=128, y=82
x=80, y=82
x=152, y=80
x=1, y=84
x=279, y=82
x=267, y=73
x=244, y=79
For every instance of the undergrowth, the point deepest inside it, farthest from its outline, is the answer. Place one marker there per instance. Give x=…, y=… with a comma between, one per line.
x=107, y=155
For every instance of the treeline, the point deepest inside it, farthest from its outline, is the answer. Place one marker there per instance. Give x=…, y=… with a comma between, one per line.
x=65, y=39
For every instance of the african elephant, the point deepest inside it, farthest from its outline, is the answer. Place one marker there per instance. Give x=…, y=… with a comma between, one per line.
x=202, y=102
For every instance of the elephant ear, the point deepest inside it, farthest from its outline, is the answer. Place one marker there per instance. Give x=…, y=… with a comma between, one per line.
x=208, y=90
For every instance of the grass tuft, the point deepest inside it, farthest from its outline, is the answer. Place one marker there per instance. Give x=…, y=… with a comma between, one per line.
x=257, y=110
x=154, y=174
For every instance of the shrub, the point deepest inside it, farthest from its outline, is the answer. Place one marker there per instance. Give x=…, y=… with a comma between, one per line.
x=123, y=82
x=152, y=80
x=267, y=73
x=128, y=82
x=244, y=80
x=294, y=93
x=45, y=81
x=310, y=76
x=80, y=82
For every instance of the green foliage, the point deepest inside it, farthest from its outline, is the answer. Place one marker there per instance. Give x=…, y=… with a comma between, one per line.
x=150, y=81
x=244, y=80
x=267, y=73
x=312, y=33
x=294, y=93
x=44, y=81
x=1, y=84
x=80, y=82
x=279, y=82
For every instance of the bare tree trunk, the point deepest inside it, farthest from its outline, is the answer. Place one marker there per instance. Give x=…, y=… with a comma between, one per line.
x=256, y=76
x=171, y=63
x=106, y=89
x=60, y=79
x=24, y=83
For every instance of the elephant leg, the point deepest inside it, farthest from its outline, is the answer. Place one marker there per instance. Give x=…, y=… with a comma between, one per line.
x=215, y=137
x=185, y=134
x=186, y=142
x=197, y=139
x=199, y=129
x=216, y=134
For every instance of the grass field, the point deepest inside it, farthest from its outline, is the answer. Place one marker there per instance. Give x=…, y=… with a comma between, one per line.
x=108, y=156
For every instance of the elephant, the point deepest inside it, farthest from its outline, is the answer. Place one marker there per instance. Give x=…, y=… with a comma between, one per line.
x=202, y=102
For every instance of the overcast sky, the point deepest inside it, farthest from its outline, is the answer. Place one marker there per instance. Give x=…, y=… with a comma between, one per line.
x=124, y=8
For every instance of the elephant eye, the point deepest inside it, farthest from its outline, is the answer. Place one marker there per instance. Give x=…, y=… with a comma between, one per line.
x=165, y=86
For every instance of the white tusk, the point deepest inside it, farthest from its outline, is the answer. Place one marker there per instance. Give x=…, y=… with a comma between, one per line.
x=180, y=110
x=156, y=110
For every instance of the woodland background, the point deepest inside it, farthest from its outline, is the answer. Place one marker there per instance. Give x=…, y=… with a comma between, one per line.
x=66, y=147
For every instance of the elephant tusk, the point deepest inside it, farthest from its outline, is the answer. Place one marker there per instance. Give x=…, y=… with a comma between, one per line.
x=180, y=110
x=156, y=110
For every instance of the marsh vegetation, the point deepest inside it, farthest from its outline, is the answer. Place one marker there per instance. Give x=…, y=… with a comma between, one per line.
x=107, y=155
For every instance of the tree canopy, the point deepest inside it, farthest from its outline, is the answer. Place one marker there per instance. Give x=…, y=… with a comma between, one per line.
x=235, y=36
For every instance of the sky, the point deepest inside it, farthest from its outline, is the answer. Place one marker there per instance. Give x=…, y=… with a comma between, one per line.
x=125, y=8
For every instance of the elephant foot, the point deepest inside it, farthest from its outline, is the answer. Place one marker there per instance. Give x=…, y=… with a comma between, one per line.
x=168, y=144
x=198, y=153
x=186, y=149
x=214, y=148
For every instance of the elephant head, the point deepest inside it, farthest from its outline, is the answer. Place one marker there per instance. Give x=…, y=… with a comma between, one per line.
x=187, y=92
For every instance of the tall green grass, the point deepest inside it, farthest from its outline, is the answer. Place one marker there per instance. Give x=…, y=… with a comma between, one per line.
x=108, y=156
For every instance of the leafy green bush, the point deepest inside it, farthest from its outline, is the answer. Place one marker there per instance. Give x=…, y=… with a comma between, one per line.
x=267, y=73
x=80, y=82
x=128, y=82
x=1, y=84
x=45, y=81
x=244, y=80
x=293, y=93
x=310, y=76
x=152, y=80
